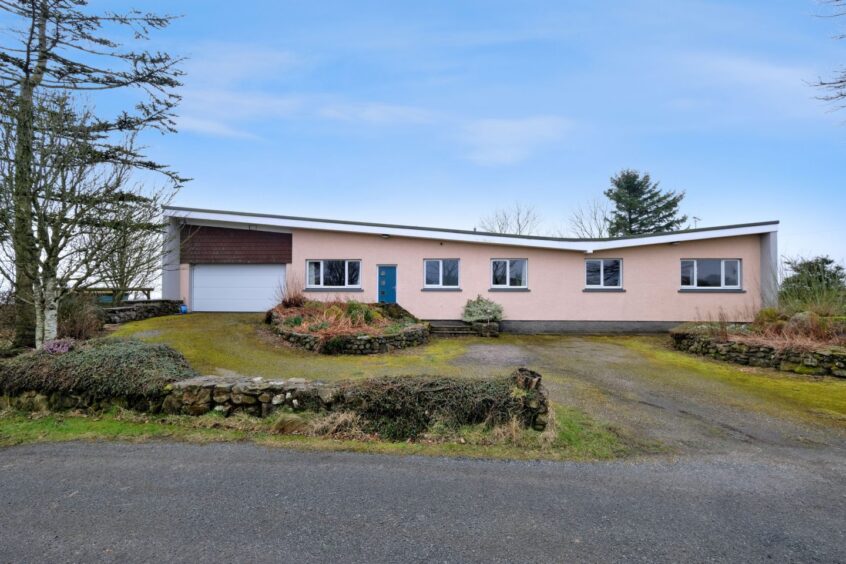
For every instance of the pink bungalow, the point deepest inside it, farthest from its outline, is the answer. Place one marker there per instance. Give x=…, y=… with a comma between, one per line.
x=231, y=261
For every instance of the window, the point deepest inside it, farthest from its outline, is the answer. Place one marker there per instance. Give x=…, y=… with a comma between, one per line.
x=710, y=273
x=604, y=273
x=333, y=274
x=509, y=273
x=440, y=273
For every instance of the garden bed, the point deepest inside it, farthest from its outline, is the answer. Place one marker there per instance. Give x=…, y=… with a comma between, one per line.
x=347, y=327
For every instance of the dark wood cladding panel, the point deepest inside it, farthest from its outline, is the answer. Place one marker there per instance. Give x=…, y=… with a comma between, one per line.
x=220, y=245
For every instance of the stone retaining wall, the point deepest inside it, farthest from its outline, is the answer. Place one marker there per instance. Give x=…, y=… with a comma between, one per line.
x=355, y=344
x=141, y=309
x=830, y=362
x=258, y=397
x=255, y=396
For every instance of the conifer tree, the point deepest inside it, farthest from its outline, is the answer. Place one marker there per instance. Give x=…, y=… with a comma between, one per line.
x=640, y=207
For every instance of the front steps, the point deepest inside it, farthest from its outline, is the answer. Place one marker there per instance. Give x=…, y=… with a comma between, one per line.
x=449, y=328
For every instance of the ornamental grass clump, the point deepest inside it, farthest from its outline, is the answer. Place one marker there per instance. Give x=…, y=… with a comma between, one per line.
x=336, y=318
x=482, y=310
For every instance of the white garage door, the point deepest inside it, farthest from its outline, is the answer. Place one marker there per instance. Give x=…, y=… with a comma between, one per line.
x=236, y=287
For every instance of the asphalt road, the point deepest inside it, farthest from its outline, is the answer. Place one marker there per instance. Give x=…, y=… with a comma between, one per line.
x=84, y=502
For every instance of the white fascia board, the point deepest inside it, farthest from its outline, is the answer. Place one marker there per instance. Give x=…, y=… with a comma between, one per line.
x=204, y=218
x=682, y=237
x=246, y=221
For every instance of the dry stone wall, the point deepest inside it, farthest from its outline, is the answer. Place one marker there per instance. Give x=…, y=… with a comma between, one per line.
x=229, y=395
x=355, y=344
x=260, y=397
x=138, y=310
x=827, y=362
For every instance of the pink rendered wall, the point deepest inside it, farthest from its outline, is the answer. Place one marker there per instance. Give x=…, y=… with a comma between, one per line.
x=651, y=278
x=185, y=284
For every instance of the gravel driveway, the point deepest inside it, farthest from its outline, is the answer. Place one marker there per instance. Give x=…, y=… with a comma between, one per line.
x=672, y=405
x=83, y=502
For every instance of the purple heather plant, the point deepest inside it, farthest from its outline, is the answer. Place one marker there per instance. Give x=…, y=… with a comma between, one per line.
x=59, y=346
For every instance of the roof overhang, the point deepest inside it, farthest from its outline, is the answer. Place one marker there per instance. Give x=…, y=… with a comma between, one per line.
x=278, y=222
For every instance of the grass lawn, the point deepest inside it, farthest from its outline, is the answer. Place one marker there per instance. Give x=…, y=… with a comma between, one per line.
x=574, y=436
x=219, y=343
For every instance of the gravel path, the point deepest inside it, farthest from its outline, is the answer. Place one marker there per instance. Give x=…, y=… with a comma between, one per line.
x=86, y=502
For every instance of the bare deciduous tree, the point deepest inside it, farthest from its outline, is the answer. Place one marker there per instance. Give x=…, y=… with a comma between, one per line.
x=518, y=219
x=78, y=207
x=61, y=46
x=837, y=85
x=138, y=235
x=590, y=221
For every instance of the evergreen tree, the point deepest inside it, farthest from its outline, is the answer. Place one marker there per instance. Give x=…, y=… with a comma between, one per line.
x=65, y=46
x=641, y=207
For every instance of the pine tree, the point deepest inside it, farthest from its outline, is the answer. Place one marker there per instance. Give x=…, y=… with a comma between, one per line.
x=640, y=207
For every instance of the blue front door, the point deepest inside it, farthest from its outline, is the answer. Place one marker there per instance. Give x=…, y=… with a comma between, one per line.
x=387, y=284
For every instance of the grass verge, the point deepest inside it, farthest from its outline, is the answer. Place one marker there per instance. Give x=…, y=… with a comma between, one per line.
x=573, y=436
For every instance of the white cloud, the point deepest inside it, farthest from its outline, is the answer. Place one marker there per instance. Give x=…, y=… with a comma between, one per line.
x=228, y=63
x=211, y=127
x=510, y=141
x=750, y=85
x=377, y=114
x=228, y=88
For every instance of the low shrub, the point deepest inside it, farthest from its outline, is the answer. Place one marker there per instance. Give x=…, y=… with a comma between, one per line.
x=295, y=321
x=316, y=327
x=100, y=369
x=815, y=285
x=399, y=408
x=80, y=318
x=482, y=310
x=59, y=346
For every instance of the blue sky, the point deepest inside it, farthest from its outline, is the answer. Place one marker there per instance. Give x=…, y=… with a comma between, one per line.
x=436, y=113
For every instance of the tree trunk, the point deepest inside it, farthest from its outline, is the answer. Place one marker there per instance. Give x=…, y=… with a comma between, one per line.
x=38, y=315
x=23, y=239
x=51, y=311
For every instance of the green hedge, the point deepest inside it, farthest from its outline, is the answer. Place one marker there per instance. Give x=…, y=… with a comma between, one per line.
x=100, y=369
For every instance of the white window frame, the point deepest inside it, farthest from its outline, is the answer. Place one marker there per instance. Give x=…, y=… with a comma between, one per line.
x=508, y=273
x=440, y=283
x=722, y=286
x=323, y=273
x=602, y=284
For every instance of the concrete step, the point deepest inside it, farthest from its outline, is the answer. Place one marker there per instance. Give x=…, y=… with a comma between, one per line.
x=447, y=323
x=452, y=332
